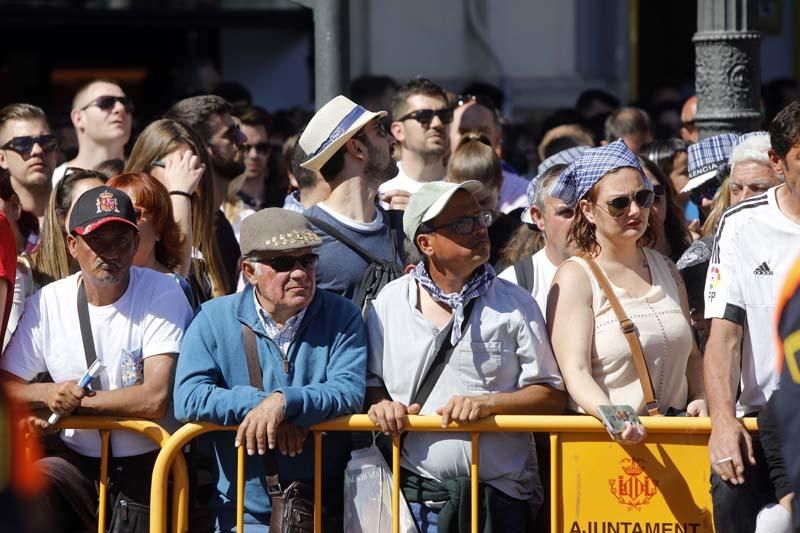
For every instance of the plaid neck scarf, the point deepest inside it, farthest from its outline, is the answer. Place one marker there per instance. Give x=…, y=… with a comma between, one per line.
x=475, y=286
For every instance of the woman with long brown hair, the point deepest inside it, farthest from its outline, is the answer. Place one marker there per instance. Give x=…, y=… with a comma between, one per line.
x=160, y=239
x=178, y=158
x=611, y=231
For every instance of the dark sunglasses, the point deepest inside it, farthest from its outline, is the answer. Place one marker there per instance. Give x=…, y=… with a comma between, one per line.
x=707, y=190
x=261, y=148
x=618, y=206
x=425, y=116
x=24, y=145
x=465, y=225
x=107, y=103
x=287, y=263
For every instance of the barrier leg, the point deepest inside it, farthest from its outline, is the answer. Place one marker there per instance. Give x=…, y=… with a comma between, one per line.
x=317, y=481
x=101, y=512
x=240, y=488
x=555, y=472
x=396, y=484
x=180, y=495
x=473, y=481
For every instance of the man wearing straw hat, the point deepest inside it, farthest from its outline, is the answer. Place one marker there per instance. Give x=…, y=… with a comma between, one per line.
x=353, y=151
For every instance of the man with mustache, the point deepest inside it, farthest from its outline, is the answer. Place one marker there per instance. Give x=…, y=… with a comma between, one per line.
x=451, y=339
x=28, y=153
x=135, y=319
x=102, y=116
x=307, y=347
x=211, y=118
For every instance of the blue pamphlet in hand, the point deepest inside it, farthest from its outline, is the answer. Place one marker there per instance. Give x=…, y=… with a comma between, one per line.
x=84, y=383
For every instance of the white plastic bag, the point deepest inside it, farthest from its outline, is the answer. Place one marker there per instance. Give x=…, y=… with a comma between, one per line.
x=368, y=495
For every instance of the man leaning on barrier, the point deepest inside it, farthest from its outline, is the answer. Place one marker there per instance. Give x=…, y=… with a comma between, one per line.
x=137, y=318
x=311, y=347
x=502, y=364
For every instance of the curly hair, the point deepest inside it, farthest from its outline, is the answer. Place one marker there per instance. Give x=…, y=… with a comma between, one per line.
x=583, y=234
x=154, y=199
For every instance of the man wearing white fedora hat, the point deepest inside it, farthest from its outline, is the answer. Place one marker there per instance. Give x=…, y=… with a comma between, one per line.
x=349, y=146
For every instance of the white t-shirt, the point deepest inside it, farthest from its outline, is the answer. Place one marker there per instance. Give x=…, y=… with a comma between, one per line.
x=504, y=348
x=148, y=319
x=402, y=181
x=543, y=273
x=754, y=248
x=59, y=172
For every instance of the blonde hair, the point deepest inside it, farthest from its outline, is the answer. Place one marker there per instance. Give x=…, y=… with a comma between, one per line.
x=475, y=159
x=722, y=201
x=156, y=141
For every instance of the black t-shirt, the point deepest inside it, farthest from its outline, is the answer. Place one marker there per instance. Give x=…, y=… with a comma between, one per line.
x=229, y=249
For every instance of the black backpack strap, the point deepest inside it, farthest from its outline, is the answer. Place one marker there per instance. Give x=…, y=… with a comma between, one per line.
x=86, y=332
x=442, y=357
x=523, y=269
x=339, y=236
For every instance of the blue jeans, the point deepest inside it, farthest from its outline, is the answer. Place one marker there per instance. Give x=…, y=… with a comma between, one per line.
x=736, y=506
x=511, y=516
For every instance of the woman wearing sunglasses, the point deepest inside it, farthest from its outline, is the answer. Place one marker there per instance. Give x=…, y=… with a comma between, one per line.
x=160, y=239
x=613, y=200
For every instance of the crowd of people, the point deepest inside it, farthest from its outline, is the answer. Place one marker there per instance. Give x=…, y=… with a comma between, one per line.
x=385, y=257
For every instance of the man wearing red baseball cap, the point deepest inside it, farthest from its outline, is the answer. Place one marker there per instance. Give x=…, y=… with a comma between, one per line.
x=131, y=320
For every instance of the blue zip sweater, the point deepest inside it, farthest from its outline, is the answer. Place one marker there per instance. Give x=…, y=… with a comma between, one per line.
x=326, y=379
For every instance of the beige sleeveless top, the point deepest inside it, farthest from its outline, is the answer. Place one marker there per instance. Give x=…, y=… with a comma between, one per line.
x=664, y=333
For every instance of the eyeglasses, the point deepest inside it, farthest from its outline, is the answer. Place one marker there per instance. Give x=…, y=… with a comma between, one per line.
x=234, y=134
x=464, y=99
x=262, y=149
x=425, y=116
x=23, y=145
x=707, y=190
x=107, y=103
x=618, y=206
x=465, y=225
x=287, y=263
x=659, y=191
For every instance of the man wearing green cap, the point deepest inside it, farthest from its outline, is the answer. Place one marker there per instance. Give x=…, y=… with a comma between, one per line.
x=451, y=339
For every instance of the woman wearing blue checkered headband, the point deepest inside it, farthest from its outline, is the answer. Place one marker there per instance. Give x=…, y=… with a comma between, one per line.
x=613, y=197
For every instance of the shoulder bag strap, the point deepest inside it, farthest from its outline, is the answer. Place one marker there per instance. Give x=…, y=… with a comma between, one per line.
x=257, y=381
x=629, y=330
x=86, y=332
x=442, y=357
x=341, y=237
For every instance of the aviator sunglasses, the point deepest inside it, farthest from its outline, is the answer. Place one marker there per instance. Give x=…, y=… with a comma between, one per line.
x=619, y=206
x=287, y=263
x=24, y=145
x=107, y=103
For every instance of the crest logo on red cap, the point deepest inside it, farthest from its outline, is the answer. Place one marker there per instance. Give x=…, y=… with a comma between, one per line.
x=106, y=203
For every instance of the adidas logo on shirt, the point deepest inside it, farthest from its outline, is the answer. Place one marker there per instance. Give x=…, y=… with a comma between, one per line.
x=763, y=270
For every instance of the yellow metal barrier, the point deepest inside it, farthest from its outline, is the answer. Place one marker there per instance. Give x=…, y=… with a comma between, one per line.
x=148, y=428
x=581, y=455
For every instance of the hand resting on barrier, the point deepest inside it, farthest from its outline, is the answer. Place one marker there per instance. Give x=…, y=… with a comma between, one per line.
x=66, y=397
x=259, y=428
x=391, y=416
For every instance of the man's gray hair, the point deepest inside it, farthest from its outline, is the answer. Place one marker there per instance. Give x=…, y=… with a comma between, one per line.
x=543, y=184
x=754, y=148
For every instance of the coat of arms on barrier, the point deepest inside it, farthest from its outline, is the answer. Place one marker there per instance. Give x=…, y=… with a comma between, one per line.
x=633, y=488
